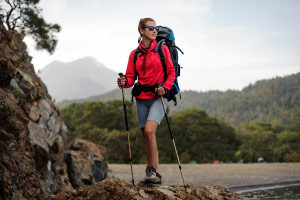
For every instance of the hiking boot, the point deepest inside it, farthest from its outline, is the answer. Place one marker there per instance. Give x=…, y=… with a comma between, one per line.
x=152, y=176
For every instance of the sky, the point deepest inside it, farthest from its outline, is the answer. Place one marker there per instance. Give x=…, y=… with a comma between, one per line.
x=227, y=44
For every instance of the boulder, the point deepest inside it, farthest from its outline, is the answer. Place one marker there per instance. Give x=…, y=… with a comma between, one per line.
x=87, y=162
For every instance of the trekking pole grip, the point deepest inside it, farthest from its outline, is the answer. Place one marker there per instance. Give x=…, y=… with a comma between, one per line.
x=121, y=75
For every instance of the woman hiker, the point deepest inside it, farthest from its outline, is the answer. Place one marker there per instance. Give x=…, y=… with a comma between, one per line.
x=151, y=85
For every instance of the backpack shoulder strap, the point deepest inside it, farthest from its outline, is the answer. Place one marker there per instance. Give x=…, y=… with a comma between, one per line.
x=159, y=49
x=136, y=53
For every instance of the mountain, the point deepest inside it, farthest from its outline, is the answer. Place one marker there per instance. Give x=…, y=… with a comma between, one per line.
x=275, y=100
x=81, y=78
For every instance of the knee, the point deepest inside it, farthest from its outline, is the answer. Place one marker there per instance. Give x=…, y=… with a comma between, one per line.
x=149, y=135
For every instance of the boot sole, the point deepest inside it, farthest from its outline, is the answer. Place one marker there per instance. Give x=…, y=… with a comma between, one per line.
x=151, y=181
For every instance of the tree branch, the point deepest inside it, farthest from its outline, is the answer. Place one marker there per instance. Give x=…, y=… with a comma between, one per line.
x=15, y=2
x=24, y=15
x=9, y=14
x=15, y=22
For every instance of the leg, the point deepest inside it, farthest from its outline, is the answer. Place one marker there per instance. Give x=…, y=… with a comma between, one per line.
x=150, y=143
x=154, y=118
x=150, y=114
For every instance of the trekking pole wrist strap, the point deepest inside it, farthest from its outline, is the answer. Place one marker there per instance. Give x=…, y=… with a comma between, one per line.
x=126, y=80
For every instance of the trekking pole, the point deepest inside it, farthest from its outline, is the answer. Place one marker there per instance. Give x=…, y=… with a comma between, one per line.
x=127, y=130
x=172, y=138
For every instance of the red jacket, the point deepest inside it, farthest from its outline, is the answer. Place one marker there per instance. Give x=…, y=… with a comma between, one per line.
x=150, y=70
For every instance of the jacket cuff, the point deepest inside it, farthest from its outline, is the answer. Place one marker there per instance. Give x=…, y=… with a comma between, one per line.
x=167, y=94
x=166, y=90
x=126, y=80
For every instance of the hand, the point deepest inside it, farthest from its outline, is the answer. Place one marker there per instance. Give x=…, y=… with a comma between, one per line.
x=160, y=90
x=121, y=81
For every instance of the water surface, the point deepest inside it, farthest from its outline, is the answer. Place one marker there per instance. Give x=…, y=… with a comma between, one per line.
x=280, y=192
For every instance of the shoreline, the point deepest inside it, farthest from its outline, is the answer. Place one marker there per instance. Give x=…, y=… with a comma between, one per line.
x=252, y=188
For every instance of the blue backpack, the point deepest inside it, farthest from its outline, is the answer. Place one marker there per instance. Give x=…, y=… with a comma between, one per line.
x=165, y=36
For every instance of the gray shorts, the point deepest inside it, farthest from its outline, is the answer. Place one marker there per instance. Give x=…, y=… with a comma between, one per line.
x=150, y=109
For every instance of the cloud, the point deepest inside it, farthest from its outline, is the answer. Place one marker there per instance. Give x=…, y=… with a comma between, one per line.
x=53, y=8
x=188, y=8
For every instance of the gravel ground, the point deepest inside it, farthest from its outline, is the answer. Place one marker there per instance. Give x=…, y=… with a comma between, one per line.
x=228, y=175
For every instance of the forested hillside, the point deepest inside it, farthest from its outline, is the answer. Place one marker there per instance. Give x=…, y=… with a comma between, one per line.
x=264, y=122
x=103, y=123
x=199, y=137
x=274, y=100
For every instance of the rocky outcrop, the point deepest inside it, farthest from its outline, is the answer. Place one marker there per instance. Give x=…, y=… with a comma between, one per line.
x=18, y=92
x=86, y=163
x=116, y=189
x=33, y=138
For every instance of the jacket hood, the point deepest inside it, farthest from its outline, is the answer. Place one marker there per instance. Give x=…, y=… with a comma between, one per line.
x=152, y=46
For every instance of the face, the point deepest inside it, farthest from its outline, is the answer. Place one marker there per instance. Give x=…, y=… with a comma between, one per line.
x=148, y=34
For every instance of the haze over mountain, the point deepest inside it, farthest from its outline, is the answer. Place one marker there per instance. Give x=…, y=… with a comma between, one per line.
x=81, y=78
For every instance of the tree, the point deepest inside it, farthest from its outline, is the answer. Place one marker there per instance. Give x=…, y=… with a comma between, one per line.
x=25, y=16
x=289, y=145
x=257, y=140
x=198, y=137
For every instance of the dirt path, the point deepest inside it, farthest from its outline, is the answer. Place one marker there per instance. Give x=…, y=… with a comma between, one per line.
x=228, y=175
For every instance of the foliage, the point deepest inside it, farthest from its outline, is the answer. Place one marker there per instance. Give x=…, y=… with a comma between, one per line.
x=103, y=123
x=82, y=117
x=272, y=142
x=25, y=16
x=273, y=101
x=199, y=137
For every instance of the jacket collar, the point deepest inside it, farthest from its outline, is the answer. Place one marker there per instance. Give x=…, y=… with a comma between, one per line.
x=152, y=46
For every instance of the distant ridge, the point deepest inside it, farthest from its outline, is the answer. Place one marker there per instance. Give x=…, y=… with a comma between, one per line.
x=275, y=100
x=81, y=78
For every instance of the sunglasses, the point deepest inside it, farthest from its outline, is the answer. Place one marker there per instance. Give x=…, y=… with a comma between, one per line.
x=151, y=28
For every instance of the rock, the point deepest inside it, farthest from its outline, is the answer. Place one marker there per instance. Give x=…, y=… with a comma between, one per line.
x=33, y=137
x=80, y=169
x=34, y=113
x=110, y=174
x=87, y=162
x=38, y=136
x=113, y=189
x=16, y=87
x=7, y=71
